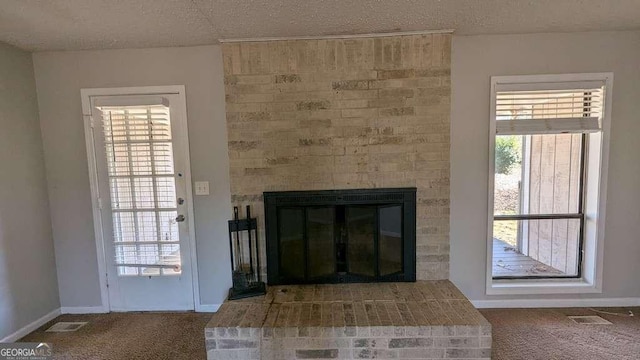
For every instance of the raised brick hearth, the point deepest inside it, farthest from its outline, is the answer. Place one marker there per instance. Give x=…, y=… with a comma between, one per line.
x=422, y=320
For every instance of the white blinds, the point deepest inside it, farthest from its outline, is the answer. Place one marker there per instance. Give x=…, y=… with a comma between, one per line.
x=559, y=109
x=138, y=140
x=139, y=153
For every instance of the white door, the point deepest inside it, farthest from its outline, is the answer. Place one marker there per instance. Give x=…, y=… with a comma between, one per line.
x=141, y=166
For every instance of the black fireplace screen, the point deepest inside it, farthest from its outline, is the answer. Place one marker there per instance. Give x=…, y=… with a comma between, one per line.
x=335, y=236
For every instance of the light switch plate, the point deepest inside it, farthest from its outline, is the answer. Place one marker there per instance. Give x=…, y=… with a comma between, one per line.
x=202, y=188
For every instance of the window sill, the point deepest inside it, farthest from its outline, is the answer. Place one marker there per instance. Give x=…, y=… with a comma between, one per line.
x=542, y=286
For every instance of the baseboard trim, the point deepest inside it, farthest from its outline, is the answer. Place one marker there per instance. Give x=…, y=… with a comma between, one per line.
x=208, y=308
x=559, y=303
x=83, y=310
x=25, y=330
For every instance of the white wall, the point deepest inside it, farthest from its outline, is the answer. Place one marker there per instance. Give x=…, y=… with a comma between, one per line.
x=28, y=285
x=59, y=78
x=474, y=60
x=61, y=75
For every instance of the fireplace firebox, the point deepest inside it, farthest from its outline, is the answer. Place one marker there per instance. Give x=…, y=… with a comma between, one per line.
x=333, y=236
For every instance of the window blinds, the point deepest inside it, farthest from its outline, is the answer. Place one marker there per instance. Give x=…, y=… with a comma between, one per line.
x=523, y=109
x=139, y=153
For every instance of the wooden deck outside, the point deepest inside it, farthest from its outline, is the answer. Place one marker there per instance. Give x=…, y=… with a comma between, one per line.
x=508, y=261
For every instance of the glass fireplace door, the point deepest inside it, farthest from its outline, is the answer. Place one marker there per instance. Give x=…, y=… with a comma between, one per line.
x=361, y=238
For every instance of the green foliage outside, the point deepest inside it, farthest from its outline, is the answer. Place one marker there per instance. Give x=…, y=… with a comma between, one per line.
x=508, y=153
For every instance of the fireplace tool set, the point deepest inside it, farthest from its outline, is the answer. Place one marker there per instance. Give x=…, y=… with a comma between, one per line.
x=245, y=257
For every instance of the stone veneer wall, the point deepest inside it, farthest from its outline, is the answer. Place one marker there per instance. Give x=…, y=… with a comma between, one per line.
x=344, y=113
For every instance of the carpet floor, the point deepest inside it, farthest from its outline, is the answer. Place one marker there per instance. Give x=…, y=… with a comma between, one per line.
x=530, y=334
x=128, y=336
x=548, y=334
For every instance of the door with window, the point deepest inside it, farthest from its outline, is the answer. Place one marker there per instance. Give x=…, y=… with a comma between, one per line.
x=141, y=167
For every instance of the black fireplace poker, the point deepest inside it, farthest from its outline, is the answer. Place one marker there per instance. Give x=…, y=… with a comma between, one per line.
x=246, y=279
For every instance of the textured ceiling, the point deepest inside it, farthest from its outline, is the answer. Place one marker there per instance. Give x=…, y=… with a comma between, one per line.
x=98, y=24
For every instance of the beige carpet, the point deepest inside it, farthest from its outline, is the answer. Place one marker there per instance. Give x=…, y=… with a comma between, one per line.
x=517, y=334
x=124, y=336
x=548, y=334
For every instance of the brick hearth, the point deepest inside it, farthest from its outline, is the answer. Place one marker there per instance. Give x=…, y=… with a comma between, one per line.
x=422, y=320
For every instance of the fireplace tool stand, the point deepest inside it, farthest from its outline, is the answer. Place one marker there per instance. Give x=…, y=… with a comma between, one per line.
x=245, y=257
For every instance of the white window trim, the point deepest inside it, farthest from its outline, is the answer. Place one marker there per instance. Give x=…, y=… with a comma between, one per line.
x=595, y=198
x=93, y=182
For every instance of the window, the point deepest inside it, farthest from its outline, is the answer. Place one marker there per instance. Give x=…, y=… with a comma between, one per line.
x=141, y=175
x=547, y=160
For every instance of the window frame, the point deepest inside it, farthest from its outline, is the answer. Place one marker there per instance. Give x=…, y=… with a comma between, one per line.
x=594, y=169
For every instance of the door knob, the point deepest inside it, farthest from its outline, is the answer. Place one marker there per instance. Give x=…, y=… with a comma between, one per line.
x=180, y=218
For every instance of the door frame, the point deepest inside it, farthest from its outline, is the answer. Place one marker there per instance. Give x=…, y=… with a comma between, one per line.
x=88, y=121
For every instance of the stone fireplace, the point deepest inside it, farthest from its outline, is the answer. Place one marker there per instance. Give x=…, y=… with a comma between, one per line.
x=360, y=113
x=345, y=144
x=336, y=236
